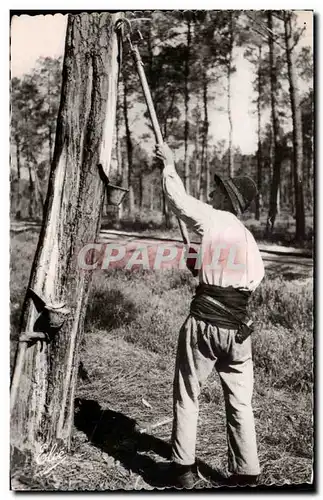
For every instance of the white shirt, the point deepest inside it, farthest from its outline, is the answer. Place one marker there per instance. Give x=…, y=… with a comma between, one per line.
x=228, y=255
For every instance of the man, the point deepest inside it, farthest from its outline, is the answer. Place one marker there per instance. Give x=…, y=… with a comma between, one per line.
x=229, y=269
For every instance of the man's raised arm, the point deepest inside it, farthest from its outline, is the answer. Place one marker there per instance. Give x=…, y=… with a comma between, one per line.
x=193, y=212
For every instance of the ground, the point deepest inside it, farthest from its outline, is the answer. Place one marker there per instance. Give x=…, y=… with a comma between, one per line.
x=126, y=375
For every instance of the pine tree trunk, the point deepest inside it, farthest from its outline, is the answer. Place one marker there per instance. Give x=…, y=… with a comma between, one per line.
x=141, y=191
x=204, y=151
x=297, y=129
x=131, y=203
x=206, y=142
x=165, y=208
x=18, y=203
x=31, y=195
x=44, y=389
x=50, y=146
x=197, y=165
x=150, y=57
x=208, y=179
x=186, y=104
x=272, y=213
x=259, y=151
x=151, y=195
x=230, y=156
x=291, y=188
x=38, y=193
x=197, y=155
x=310, y=178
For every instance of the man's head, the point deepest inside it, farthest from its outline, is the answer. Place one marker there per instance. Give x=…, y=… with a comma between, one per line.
x=220, y=200
x=233, y=194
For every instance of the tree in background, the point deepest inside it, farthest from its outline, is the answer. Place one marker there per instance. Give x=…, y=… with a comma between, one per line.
x=229, y=72
x=255, y=52
x=213, y=48
x=272, y=213
x=34, y=108
x=15, y=136
x=25, y=120
x=126, y=104
x=291, y=39
x=48, y=75
x=188, y=20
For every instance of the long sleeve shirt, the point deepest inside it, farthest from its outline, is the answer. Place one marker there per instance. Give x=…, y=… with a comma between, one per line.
x=228, y=254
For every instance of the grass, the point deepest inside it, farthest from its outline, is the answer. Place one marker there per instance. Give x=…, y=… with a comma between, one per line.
x=128, y=352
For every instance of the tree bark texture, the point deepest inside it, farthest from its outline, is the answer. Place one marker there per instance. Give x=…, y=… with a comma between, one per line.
x=43, y=412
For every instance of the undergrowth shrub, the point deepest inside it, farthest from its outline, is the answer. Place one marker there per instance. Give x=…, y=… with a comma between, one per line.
x=285, y=303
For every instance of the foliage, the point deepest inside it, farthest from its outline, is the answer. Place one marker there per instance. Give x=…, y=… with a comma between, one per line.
x=166, y=56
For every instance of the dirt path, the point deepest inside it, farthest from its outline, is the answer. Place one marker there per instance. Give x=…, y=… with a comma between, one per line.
x=289, y=263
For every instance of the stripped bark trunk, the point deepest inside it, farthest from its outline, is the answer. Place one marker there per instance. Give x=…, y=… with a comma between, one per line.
x=186, y=104
x=272, y=213
x=229, y=71
x=43, y=412
x=259, y=151
x=297, y=129
x=50, y=141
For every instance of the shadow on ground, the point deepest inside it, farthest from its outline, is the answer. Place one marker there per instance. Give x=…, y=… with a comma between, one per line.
x=115, y=434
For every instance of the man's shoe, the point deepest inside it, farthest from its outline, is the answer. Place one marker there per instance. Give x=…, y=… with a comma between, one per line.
x=183, y=478
x=172, y=475
x=242, y=480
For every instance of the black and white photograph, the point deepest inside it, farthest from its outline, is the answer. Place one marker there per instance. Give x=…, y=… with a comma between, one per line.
x=162, y=175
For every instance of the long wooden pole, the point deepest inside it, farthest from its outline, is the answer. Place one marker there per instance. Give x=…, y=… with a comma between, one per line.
x=154, y=119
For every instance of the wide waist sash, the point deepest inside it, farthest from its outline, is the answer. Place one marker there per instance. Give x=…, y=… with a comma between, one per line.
x=208, y=299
